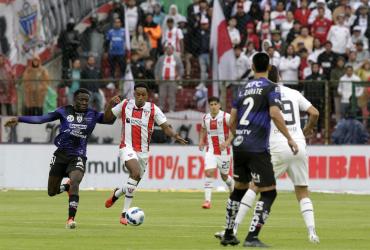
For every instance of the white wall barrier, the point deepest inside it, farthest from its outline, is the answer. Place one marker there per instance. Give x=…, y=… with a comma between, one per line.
x=332, y=168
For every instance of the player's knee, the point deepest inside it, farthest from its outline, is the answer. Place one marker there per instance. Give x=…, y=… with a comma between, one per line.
x=237, y=194
x=271, y=195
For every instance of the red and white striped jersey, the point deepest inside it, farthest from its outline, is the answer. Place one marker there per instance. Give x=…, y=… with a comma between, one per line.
x=173, y=37
x=137, y=123
x=217, y=132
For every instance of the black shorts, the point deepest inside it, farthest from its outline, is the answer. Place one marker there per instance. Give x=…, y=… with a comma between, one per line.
x=62, y=164
x=254, y=166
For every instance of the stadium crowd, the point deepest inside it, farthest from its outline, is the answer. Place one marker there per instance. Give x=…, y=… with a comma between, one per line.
x=310, y=42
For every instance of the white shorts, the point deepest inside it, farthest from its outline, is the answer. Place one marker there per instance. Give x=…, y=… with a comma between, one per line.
x=222, y=162
x=127, y=154
x=296, y=166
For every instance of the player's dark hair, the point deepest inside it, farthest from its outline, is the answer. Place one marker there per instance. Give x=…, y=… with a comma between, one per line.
x=81, y=90
x=273, y=74
x=213, y=99
x=141, y=85
x=261, y=62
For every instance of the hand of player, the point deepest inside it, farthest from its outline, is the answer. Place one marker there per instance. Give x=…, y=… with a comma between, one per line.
x=308, y=132
x=12, y=122
x=180, y=139
x=116, y=99
x=223, y=146
x=201, y=145
x=293, y=146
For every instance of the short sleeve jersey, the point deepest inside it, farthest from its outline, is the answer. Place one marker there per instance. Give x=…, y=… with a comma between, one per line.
x=253, y=118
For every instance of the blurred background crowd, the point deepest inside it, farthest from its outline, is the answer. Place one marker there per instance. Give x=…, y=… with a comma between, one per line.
x=321, y=48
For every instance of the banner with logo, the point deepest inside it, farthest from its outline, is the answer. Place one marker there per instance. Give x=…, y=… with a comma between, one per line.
x=331, y=168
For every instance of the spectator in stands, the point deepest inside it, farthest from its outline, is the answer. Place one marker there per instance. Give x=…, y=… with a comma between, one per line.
x=274, y=56
x=91, y=76
x=304, y=38
x=255, y=13
x=294, y=32
x=250, y=51
x=265, y=26
x=154, y=33
x=304, y=69
x=92, y=41
x=173, y=36
x=357, y=36
x=168, y=69
x=340, y=8
x=201, y=97
x=118, y=11
x=336, y=73
x=287, y=25
x=242, y=19
x=349, y=17
x=140, y=43
x=245, y=4
x=137, y=65
x=202, y=48
x=314, y=12
x=362, y=20
x=68, y=42
x=8, y=92
x=158, y=14
x=345, y=89
x=35, y=86
x=134, y=16
x=277, y=42
x=288, y=66
x=116, y=48
x=352, y=60
x=242, y=63
x=149, y=75
x=363, y=102
x=278, y=16
x=302, y=14
x=193, y=8
x=321, y=26
x=350, y=131
x=362, y=54
x=174, y=14
x=340, y=36
x=317, y=49
x=74, y=75
x=252, y=36
x=234, y=33
x=148, y=6
x=327, y=59
x=314, y=91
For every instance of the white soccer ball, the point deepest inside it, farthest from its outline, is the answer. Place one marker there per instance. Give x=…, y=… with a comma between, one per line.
x=135, y=216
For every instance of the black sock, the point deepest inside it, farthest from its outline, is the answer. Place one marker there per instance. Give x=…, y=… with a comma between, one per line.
x=73, y=204
x=261, y=214
x=232, y=209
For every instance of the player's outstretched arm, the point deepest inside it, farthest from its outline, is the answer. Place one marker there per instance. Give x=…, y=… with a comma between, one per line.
x=312, y=121
x=169, y=132
x=279, y=121
x=109, y=117
x=32, y=119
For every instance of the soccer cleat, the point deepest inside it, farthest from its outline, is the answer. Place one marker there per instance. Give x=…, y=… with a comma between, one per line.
x=111, y=200
x=229, y=240
x=123, y=220
x=206, y=205
x=71, y=224
x=314, y=238
x=255, y=243
x=219, y=235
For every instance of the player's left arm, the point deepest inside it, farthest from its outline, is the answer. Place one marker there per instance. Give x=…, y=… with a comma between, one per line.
x=230, y=137
x=52, y=116
x=313, y=113
x=108, y=117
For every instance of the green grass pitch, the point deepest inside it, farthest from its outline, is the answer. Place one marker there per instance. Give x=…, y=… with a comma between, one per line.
x=174, y=220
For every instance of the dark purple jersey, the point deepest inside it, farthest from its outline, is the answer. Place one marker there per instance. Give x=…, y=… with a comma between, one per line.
x=252, y=104
x=75, y=127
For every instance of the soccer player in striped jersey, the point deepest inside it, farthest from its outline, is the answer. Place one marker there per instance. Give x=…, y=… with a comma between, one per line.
x=216, y=126
x=138, y=117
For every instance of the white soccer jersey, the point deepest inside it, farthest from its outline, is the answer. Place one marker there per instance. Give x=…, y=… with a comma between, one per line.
x=217, y=132
x=137, y=123
x=292, y=103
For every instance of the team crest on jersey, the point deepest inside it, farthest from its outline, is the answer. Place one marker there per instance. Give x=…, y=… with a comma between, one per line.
x=219, y=123
x=238, y=140
x=70, y=118
x=79, y=118
x=146, y=112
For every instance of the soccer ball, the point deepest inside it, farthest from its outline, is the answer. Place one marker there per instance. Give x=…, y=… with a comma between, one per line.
x=135, y=216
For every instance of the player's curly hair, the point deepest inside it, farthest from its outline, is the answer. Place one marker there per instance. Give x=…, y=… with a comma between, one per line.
x=81, y=90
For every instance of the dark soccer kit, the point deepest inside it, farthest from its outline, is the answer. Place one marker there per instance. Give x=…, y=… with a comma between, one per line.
x=252, y=158
x=75, y=129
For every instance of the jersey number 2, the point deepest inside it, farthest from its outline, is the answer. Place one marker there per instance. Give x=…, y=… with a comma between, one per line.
x=249, y=102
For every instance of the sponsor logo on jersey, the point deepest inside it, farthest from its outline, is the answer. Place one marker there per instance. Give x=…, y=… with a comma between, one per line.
x=70, y=118
x=238, y=140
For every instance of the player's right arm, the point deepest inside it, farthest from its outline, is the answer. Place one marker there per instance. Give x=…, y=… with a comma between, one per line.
x=33, y=119
x=202, y=135
x=312, y=121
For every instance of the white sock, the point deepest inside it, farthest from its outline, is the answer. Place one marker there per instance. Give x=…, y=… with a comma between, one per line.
x=62, y=188
x=129, y=194
x=245, y=204
x=230, y=183
x=119, y=192
x=208, y=185
x=307, y=213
